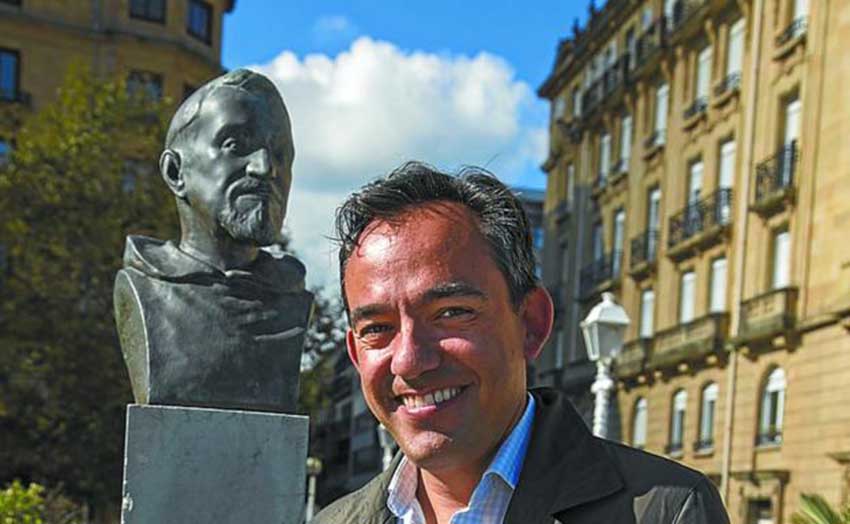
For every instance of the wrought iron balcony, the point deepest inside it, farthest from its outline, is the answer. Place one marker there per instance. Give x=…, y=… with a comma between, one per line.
x=731, y=82
x=605, y=269
x=15, y=96
x=674, y=448
x=656, y=139
x=632, y=359
x=702, y=217
x=775, y=176
x=616, y=75
x=650, y=43
x=768, y=315
x=644, y=249
x=592, y=97
x=690, y=342
x=703, y=445
x=697, y=107
x=771, y=436
x=684, y=12
x=794, y=30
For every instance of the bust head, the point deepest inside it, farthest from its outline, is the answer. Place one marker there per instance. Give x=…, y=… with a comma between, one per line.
x=228, y=160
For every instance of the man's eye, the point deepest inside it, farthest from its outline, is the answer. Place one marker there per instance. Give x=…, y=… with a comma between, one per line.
x=453, y=312
x=374, y=329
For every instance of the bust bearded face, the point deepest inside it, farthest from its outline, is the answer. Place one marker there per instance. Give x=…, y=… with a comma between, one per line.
x=230, y=163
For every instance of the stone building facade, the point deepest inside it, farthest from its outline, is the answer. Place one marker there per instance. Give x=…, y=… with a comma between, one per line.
x=699, y=168
x=166, y=47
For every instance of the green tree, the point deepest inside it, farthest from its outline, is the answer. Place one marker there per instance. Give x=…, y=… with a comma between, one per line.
x=325, y=336
x=36, y=505
x=82, y=176
x=814, y=509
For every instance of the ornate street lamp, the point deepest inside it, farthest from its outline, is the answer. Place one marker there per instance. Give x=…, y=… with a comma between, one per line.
x=603, y=331
x=387, y=445
x=314, y=469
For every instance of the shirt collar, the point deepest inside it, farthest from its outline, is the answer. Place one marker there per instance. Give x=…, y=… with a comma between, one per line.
x=507, y=464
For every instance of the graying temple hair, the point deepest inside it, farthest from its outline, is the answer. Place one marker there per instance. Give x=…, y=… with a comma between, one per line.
x=243, y=79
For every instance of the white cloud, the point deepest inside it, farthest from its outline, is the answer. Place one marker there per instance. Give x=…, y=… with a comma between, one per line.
x=360, y=114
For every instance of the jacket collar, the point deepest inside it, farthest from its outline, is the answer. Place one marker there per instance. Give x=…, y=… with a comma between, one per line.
x=565, y=466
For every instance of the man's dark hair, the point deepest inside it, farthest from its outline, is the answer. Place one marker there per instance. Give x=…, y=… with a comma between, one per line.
x=501, y=217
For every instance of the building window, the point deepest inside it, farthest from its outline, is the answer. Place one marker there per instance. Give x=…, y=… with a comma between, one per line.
x=703, y=78
x=653, y=221
x=717, y=297
x=772, y=407
x=559, y=108
x=9, y=73
x=604, y=157
x=625, y=142
x=677, y=421
x=647, y=313
x=735, y=51
x=661, y=99
x=145, y=83
x=596, y=242
x=150, y=10
x=760, y=511
x=687, y=291
x=199, y=20
x=781, y=274
x=571, y=184
x=726, y=176
x=619, y=234
x=639, y=421
x=793, y=110
x=706, y=421
x=576, y=102
x=5, y=151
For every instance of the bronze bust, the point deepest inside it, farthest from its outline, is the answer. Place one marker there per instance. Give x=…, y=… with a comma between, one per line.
x=218, y=319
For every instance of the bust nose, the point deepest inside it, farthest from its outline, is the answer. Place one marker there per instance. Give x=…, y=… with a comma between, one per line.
x=258, y=163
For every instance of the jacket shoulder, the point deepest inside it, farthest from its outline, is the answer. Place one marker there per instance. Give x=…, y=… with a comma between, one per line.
x=359, y=507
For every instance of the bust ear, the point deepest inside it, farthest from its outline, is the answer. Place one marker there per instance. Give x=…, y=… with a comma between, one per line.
x=169, y=168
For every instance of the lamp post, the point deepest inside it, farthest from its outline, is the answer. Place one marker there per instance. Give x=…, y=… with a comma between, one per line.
x=387, y=445
x=603, y=330
x=314, y=469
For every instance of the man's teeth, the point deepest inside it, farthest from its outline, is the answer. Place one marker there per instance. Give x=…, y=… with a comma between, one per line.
x=435, y=397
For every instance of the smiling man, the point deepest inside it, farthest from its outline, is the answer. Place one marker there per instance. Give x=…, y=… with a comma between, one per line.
x=218, y=318
x=444, y=310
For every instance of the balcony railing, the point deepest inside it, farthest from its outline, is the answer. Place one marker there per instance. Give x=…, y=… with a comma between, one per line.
x=15, y=96
x=795, y=29
x=616, y=75
x=650, y=43
x=604, y=269
x=657, y=138
x=684, y=11
x=731, y=82
x=644, y=248
x=691, y=341
x=704, y=444
x=631, y=360
x=768, y=314
x=697, y=107
x=701, y=216
x=776, y=174
x=771, y=436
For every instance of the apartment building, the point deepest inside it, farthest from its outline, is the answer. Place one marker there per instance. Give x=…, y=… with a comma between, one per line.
x=164, y=47
x=699, y=169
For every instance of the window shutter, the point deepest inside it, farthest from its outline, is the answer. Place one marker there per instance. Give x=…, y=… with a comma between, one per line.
x=703, y=83
x=647, y=313
x=781, y=260
x=686, y=304
x=735, y=57
x=626, y=141
x=718, y=285
x=661, y=107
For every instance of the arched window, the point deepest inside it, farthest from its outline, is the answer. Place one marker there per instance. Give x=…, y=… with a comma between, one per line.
x=706, y=420
x=677, y=421
x=772, y=406
x=639, y=420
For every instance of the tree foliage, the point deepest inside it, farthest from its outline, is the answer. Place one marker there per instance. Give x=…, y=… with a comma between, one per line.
x=36, y=505
x=325, y=337
x=81, y=177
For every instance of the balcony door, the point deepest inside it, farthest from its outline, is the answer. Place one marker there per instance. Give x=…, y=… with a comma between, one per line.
x=793, y=113
x=726, y=178
x=619, y=234
x=703, y=83
x=661, y=98
x=687, y=297
x=653, y=221
x=693, y=223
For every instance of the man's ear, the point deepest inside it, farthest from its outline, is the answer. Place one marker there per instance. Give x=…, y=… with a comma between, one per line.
x=169, y=167
x=352, y=349
x=538, y=315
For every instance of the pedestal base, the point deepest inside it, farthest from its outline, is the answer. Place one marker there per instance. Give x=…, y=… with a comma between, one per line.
x=208, y=466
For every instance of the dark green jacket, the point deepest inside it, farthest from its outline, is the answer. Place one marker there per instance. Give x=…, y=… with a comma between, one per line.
x=572, y=477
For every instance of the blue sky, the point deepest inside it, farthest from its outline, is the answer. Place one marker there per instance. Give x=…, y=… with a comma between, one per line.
x=371, y=84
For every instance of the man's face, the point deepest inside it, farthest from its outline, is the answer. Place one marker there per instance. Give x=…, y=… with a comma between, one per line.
x=237, y=169
x=440, y=349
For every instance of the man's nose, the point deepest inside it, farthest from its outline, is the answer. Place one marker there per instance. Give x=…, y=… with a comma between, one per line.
x=415, y=352
x=258, y=163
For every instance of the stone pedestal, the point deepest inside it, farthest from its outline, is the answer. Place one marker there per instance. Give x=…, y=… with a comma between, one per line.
x=213, y=466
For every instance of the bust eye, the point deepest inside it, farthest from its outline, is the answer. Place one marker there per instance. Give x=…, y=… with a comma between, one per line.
x=230, y=144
